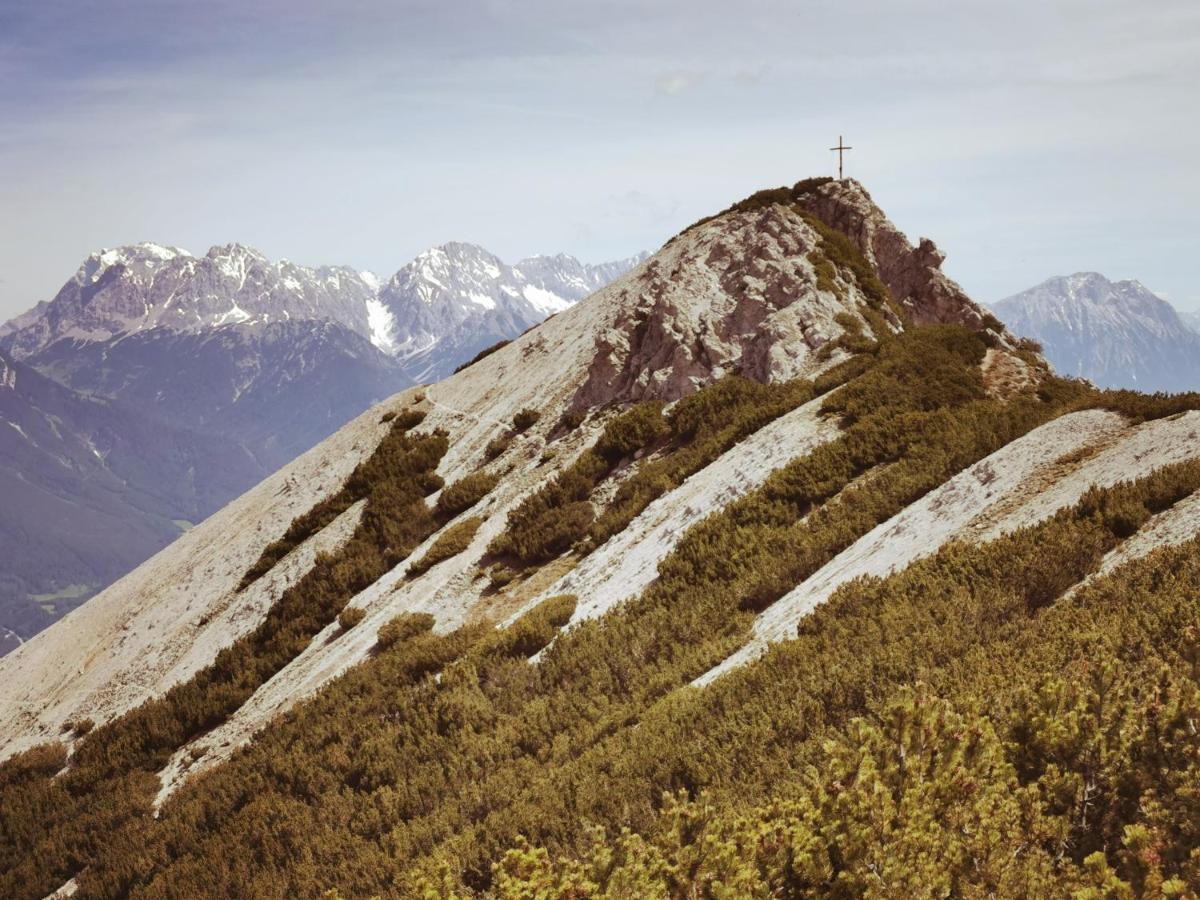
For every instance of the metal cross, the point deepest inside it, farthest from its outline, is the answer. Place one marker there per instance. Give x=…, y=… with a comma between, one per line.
x=840, y=148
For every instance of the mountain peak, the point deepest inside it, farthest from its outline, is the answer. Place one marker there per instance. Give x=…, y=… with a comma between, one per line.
x=1114, y=333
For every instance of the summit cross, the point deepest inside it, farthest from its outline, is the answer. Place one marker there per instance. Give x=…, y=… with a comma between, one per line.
x=840, y=148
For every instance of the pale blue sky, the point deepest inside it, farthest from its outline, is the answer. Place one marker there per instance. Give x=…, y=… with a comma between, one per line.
x=1028, y=139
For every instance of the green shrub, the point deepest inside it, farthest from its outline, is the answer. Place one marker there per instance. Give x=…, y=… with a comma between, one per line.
x=351, y=616
x=453, y=541
x=1051, y=750
x=783, y=196
x=1028, y=345
x=571, y=420
x=466, y=492
x=403, y=628
x=534, y=630
x=844, y=255
x=496, y=447
x=554, y=518
x=409, y=419
x=630, y=432
x=701, y=427
x=1145, y=407
x=500, y=575
x=322, y=514
x=525, y=419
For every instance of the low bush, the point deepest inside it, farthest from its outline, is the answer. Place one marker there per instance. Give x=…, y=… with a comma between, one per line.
x=1050, y=751
x=550, y=521
x=402, y=628
x=461, y=495
x=322, y=514
x=496, y=447
x=525, y=419
x=351, y=616
x=570, y=420
x=534, y=630
x=1144, y=407
x=482, y=354
x=453, y=541
x=784, y=196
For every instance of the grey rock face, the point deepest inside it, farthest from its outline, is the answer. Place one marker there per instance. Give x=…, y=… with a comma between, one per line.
x=1116, y=334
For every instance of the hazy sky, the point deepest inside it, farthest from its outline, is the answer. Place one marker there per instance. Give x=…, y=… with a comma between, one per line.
x=1027, y=138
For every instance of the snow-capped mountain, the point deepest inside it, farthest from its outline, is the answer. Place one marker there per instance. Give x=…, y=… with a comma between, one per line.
x=265, y=359
x=1190, y=318
x=1114, y=333
x=454, y=300
x=145, y=286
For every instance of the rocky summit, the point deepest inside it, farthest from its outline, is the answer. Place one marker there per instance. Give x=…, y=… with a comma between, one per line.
x=659, y=598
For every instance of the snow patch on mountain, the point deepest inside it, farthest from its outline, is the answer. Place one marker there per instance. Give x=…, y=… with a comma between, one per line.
x=381, y=322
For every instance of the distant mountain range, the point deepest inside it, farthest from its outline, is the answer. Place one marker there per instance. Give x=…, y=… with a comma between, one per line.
x=157, y=385
x=1117, y=334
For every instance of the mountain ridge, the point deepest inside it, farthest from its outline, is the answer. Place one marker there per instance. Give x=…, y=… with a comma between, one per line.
x=267, y=358
x=1114, y=333
x=663, y=595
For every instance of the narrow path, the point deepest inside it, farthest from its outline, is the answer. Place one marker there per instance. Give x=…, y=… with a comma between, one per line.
x=462, y=413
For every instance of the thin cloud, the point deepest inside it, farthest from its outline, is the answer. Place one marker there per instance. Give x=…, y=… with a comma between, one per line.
x=672, y=83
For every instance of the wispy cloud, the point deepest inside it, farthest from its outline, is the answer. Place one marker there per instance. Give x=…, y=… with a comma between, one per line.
x=676, y=82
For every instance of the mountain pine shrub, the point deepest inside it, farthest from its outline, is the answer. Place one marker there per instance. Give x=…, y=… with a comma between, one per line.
x=451, y=542
x=1050, y=751
x=525, y=419
x=463, y=494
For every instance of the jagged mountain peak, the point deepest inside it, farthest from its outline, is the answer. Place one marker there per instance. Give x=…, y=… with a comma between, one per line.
x=1114, y=333
x=457, y=298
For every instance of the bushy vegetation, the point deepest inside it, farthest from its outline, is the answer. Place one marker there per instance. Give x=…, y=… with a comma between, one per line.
x=525, y=419
x=351, y=616
x=451, y=542
x=1144, y=407
x=496, y=447
x=1050, y=749
x=112, y=773
x=322, y=514
x=841, y=253
x=550, y=521
x=699, y=429
x=482, y=354
x=784, y=196
x=463, y=494
x=402, y=628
